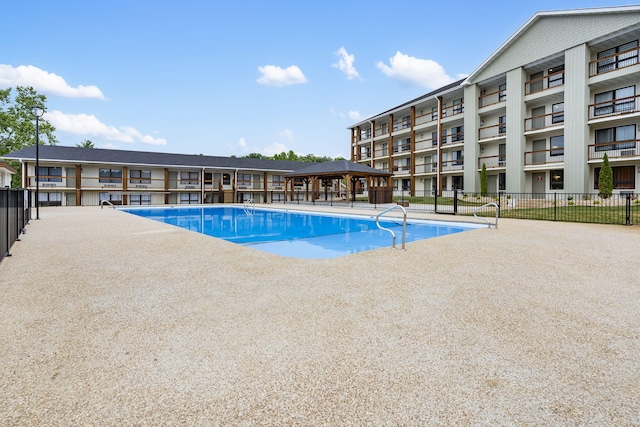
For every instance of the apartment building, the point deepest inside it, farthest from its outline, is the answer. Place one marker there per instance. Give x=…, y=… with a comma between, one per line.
x=73, y=176
x=539, y=114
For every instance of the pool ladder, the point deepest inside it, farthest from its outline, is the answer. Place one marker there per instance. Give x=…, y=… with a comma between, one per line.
x=102, y=203
x=489, y=224
x=404, y=225
x=249, y=207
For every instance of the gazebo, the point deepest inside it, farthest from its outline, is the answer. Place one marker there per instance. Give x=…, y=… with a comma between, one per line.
x=349, y=172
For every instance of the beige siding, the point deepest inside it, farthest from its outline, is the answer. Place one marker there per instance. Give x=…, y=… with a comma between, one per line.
x=551, y=34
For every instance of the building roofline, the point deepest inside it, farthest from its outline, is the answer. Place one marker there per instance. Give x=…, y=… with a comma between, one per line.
x=535, y=18
x=440, y=91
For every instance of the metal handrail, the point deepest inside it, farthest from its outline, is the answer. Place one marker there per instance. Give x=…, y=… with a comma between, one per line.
x=102, y=202
x=404, y=225
x=486, y=219
x=249, y=207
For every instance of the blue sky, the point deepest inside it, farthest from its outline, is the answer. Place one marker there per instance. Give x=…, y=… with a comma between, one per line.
x=232, y=78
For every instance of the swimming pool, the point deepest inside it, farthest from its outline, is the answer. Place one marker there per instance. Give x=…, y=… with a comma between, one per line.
x=297, y=233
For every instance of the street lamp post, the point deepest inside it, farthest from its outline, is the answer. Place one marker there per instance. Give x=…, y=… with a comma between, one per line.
x=37, y=112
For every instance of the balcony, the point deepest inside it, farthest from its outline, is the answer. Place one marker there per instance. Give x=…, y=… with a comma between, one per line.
x=544, y=83
x=614, y=62
x=382, y=131
x=543, y=157
x=455, y=138
x=492, y=98
x=404, y=123
x=453, y=110
x=426, y=168
x=498, y=161
x=543, y=122
x=453, y=165
x=426, y=118
x=495, y=131
x=614, y=107
x=381, y=152
x=615, y=150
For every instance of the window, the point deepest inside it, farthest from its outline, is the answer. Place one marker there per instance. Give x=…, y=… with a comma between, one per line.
x=458, y=106
x=458, y=158
x=434, y=138
x=557, y=180
x=406, y=122
x=502, y=95
x=624, y=177
x=189, y=198
x=140, y=199
x=115, y=199
x=502, y=181
x=502, y=154
x=244, y=180
x=277, y=180
x=457, y=134
x=502, y=129
x=536, y=82
x=50, y=199
x=457, y=182
x=558, y=113
x=618, y=57
x=556, y=76
x=615, y=101
x=140, y=176
x=406, y=184
x=226, y=179
x=111, y=176
x=556, y=144
x=625, y=135
x=47, y=174
x=189, y=178
x=434, y=113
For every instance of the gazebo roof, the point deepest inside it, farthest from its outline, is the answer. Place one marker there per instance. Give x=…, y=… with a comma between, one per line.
x=338, y=169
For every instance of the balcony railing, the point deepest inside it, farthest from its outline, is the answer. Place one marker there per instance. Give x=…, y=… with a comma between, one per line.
x=381, y=152
x=614, y=107
x=492, y=161
x=492, y=98
x=494, y=131
x=455, y=138
x=426, y=118
x=544, y=83
x=453, y=110
x=615, y=149
x=542, y=122
x=614, y=62
x=543, y=157
x=401, y=124
x=426, y=167
x=382, y=131
x=453, y=165
x=365, y=135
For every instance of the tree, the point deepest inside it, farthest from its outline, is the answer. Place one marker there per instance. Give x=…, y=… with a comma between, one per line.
x=483, y=181
x=85, y=144
x=605, y=180
x=18, y=126
x=256, y=156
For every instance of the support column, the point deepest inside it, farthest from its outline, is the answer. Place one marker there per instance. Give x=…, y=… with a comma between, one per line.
x=471, y=146
x=515, y=140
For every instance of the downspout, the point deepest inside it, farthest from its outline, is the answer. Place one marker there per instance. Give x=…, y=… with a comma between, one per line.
x=235, y=186
x=371, y=122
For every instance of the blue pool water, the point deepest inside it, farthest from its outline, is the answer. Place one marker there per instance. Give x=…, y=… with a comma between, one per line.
x=296, y=233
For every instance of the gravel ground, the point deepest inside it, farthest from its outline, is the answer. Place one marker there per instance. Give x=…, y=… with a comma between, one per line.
x=111, y=319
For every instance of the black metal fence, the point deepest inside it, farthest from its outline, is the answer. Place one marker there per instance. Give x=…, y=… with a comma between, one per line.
x=14, y=216
x=619, y=208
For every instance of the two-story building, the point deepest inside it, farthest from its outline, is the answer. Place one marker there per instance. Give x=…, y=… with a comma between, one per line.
x=73, y=176
x=539, y=114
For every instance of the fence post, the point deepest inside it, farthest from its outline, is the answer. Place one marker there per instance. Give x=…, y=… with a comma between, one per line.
x=435, y=201
x=555, y=205
x=628, y=222
x=455, y=202
x=7, y=224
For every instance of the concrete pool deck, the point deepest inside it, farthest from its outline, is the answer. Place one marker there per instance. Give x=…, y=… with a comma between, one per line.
x=107, y=318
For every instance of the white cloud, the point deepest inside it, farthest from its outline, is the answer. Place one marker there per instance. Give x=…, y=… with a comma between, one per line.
x=421, y=72
x=354, y=115
x=242, y=144
x=345, y=63
x=43, y=81
x=89, y=126
x=276, y=148
x=287, y=134
x=277, y=76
